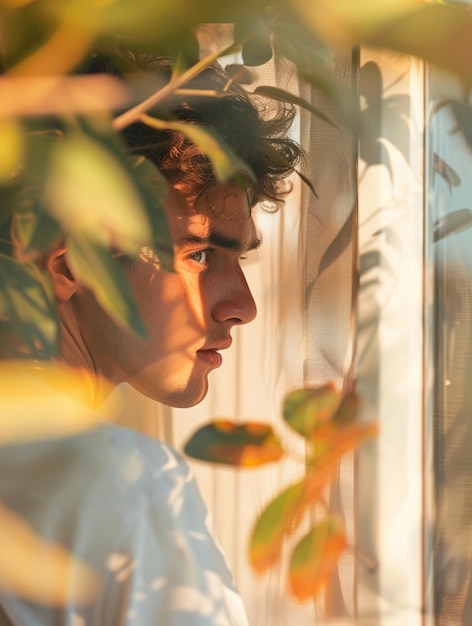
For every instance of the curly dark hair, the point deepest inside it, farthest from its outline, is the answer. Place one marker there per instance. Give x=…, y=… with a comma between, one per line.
x=254, y=127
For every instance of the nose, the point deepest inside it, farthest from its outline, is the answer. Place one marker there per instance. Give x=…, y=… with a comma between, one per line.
x=234, y=302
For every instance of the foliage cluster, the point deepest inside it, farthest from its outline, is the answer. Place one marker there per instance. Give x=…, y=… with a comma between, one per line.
x=327, y=422
x=79, y=184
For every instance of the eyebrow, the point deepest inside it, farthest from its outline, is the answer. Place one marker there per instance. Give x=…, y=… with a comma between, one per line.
x=215, y=238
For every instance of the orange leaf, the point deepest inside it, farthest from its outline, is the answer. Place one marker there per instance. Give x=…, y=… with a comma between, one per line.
x=328, y=453
x=315, y=558
x=274, y=523
x=241, y=444
x=332, y=441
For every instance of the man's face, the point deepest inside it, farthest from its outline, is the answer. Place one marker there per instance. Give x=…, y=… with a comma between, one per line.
x=189, y=315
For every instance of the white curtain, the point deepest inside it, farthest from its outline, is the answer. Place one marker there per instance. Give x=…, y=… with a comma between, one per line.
x=346, y=273
x=301, y=278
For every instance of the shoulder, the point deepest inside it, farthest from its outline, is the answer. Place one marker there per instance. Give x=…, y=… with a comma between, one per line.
x=145, y=478
x=154, y=453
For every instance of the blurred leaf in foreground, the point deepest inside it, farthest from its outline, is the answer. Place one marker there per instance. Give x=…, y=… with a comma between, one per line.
x=45, y=95
x=327, y=419
x=90, y=192
x=95, y=266
x=224, y=441
x=40, y=400
x=41, y=571
x=11, y=147
x=27, y=309
x=226, y=165
x=304, y=409
x=154, y=189
x=271, y=528
x=315, y=557
x=438, y=32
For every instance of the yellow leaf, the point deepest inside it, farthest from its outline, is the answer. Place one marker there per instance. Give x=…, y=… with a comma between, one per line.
x=41, y=571
x=60, y=53
x=41, y=400
x=338, y=20
x=11, y=148
x=438, y=32
x=44, y=95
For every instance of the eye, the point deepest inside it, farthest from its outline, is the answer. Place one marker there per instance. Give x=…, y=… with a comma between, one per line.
x=200, y=257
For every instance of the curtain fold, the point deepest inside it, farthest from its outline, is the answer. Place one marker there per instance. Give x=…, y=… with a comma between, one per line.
x=389, y=474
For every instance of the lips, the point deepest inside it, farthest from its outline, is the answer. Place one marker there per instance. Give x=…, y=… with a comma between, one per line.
x=211, y=357
x=210, y=353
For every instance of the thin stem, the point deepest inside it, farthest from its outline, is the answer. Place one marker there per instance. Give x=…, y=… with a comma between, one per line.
x=205, y=93
x=132, y=115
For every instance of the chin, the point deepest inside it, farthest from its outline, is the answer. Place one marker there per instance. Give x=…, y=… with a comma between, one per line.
x=184, y=400
x=178, y=397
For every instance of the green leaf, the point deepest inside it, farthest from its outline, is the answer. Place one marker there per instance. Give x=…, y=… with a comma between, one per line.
x=315, y=558
x=305, y=409
x=27, y=310
x=43, y=233
x=273, y=525
x=32, y=228
x=89, y=191
x=226, y=164
x=253, y=32
x=184, y=53
x=256, y=50
x=285, y=96
x=154, y=189
x=232, y=443
x=94, y=265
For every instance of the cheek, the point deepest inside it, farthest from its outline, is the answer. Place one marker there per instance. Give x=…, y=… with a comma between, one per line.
x=196, y=295
x=168, y=311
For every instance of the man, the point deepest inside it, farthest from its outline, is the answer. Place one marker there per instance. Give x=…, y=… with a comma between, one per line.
x=189, y=315
x=120, y=502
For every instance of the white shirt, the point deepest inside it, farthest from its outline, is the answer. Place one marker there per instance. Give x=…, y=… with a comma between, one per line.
x=128, y=506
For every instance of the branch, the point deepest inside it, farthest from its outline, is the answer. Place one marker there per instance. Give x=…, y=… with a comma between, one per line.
x=133, y=115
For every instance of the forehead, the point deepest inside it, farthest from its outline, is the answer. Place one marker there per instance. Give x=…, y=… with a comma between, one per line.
x=224, y=210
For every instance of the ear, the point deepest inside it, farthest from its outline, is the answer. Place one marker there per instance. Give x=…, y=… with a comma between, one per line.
x=64, y=283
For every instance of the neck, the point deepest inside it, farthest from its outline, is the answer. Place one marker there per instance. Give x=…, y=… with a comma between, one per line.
x=75, y=354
